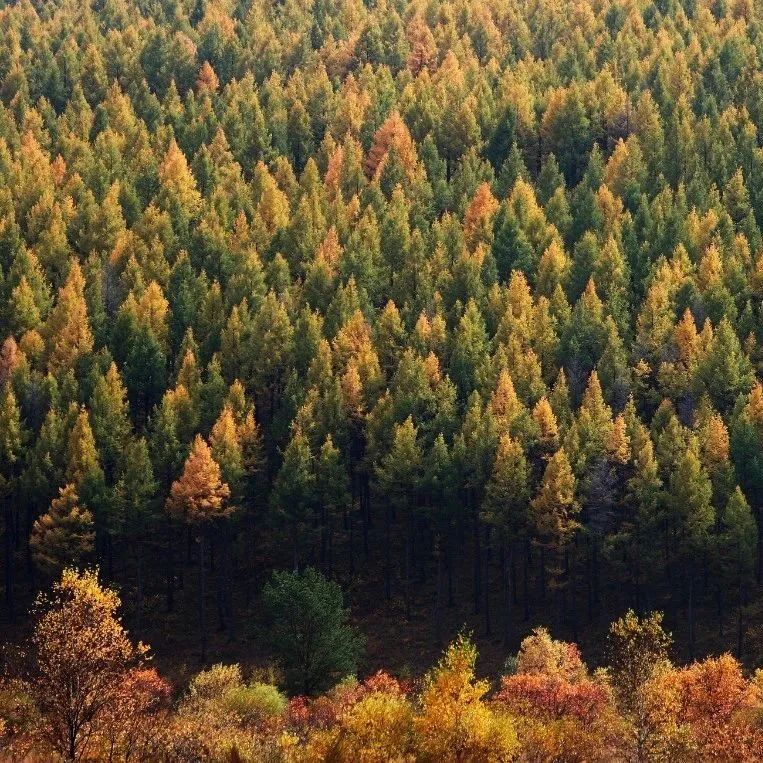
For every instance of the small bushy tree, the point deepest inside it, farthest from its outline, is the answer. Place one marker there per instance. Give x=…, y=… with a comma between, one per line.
x=309, y=630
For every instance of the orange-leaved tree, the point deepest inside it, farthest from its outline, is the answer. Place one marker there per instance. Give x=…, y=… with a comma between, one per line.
x=200, y=497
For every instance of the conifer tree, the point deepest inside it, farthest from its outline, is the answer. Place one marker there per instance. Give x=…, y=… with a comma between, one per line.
x=332, y=487
x=110, y=419
x=738, y=539
x=399, y=476
x=200, y=498
x=691, y=515
x=504, y=507
x=67, y=330
x=64, y=535
x=137, y=493
x=11, y=452
x=554, y=511
x=293, y=491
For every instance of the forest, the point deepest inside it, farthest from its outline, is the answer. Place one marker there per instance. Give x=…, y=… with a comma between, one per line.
x=416, y=332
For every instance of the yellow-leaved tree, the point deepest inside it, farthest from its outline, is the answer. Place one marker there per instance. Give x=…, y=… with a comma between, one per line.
x=82, y=658
x=455, y=723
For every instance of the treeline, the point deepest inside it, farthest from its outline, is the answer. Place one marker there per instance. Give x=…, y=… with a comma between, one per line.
x=95, y=697
x=387, y=286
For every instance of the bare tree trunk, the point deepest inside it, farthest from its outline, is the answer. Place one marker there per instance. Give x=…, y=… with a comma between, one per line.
x=691, y=608
x=202, y=597
x=486, y=584
x=508, y=575
x=740, y=618
x=438, y=598
x=477, y=562
x=170, y=573
x=387, y=553
x=9, y=568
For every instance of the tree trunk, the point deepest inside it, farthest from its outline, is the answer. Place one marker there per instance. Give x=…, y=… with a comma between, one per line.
x=9, y=603
x=450, y=566
x=596, y=573
x=202, y=598
x=542, y=574
x=324, y=539
x=330, y=548
x=387, y=552
x=438, y=596
x=508, y=581
x=740, y=618
x=477, y=562
x=486, y=583
x=526, y=581
x=571, y=583
x=351, y=528
x=691, y=609
x=139, y=588
x=170, y=574
x=408, y=562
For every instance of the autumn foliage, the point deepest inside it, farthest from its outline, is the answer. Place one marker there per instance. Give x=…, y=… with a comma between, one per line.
x=89, y=694
x=456, y=303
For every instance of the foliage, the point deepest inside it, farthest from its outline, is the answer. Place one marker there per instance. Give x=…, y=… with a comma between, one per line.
x=409, y=292
x=82, y=666
x=309, y=629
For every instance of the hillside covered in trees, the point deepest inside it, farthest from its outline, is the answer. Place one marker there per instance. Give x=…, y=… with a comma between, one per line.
x=457, y=304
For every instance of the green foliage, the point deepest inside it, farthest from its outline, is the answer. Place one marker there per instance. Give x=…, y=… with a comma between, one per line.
x=309, y=631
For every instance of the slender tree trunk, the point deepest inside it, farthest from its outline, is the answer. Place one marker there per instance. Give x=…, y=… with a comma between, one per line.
x=486, y=584
x=542, y=574
x=449, y=564
x=109, y=557
x=438, y=597
x=295, y=546
x=387, y=552
x=202, y=597
x=227, y=571
x=9, y=568
x=526, y=581
x=170, y=573
x=572, y=587
x=324, y=539
x=691, y=608
x=510, y=586
x=513, y=573
x=408, y=562
x=366, y=509
x=740, y=619
x=351, y=528
x=596, y=577
x=139, y=587
x=330, y=548
x=72, y=743
x=250, y=535
x=590, y=584
x=477, y=562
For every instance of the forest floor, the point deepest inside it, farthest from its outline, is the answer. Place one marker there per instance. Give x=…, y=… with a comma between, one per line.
x=404, y=646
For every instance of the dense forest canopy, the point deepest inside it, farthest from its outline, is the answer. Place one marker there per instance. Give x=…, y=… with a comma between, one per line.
x=460, y=303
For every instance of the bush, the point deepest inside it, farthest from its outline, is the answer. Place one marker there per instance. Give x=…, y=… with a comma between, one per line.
x=255, y=701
